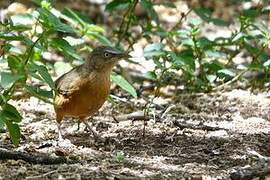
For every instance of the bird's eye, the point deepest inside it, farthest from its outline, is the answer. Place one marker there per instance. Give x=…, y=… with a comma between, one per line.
x=106, y=54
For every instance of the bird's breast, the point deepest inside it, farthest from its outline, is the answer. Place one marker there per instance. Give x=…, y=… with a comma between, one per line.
x=90, y=97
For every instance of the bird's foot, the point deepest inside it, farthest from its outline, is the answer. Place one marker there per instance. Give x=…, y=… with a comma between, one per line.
x=78, y=126
x=65, y=143
x=99, y=139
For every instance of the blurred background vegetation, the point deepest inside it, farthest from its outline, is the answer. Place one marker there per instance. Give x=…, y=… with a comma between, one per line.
x=177, y=47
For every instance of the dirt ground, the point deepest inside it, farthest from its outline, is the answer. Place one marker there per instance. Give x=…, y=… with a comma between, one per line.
x=209, y=136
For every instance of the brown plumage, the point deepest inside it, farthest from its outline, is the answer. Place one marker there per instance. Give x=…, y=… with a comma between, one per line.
x=84, y=89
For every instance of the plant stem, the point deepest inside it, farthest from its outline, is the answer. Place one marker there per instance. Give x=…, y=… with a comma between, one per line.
x=126, y=21
x=32, y=49
x=229, y=82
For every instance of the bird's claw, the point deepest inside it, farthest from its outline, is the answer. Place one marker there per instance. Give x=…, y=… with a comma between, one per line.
x=99, y=139
x=65, y=143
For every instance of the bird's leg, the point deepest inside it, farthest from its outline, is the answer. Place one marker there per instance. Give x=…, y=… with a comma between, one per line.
x=60, y=133
x=61, y=141
x=59, y=119
x=78, y=125
x=96, y=136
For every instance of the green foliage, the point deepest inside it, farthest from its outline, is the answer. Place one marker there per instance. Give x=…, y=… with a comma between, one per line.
x=124, y=84
x=184, y=55
x=120, y=157
x=117, y=5
x=8, y=79
x=11, y=117
x=206, y=15
x=148, y=6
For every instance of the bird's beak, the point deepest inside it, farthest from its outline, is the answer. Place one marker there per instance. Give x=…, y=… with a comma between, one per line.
x=120, y=56
x=125, y=56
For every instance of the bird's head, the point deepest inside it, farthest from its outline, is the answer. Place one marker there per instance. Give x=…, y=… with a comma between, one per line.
x=106, y=57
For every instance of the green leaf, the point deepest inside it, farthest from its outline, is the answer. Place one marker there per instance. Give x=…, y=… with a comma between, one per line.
x=195, y=31
x=256, y=33
x=250, y=48
x=267, y=63
x=206, y=14
x=14, y=62
x=21, y=28
x=76, y=16
x=14, y=132
x=65, y=47
x=239, y=37
x=162, y=33
x=215, y=54
x=255, y=66
x=39, y=93
x=211, y=78
x=10, y=113
x=266, y=8
x=194, y=21
x=168, y=4
x=226, y=73
x=183, y=33
x=2, y=123
x=73, y=41
x=184, y=60
x=94, y=28
x=251, y=13
x=120, y=156
x=22, y=19
x=99, y=37
x=124, y=84
x=155, y=49
x=203, y=13
x=213, y=66
x=13, y=37
x=151, y=75
x=117, y=5
x=43, y=72
x=8, y=79
x=41, y=2
x=204, y=43
x=50, y=21
x=148, y=7
x=188, y=42
x=64, y=28
x=46, y=4
x=219, y=22
x=16, y=51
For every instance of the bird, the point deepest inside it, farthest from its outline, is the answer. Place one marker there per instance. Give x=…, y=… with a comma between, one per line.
x=82, y=91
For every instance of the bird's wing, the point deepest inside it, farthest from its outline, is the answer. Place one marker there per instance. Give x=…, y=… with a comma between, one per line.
x=72, y=81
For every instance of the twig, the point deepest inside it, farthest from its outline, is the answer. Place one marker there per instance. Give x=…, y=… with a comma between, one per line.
x=183, y=125
x=167, y=110
x=183, y=16
x=35, y=159
x=139, y=115
x=32, y=48
x=126, y=21
x=229, y=82
x=118, y=98
x=154, y=115
x=248, y=173
x=42, y=175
